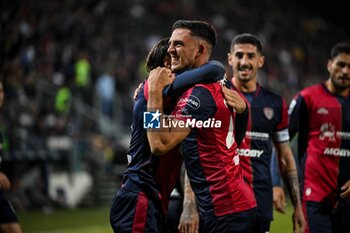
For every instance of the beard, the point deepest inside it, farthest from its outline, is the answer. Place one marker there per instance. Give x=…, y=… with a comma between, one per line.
x=341, y=83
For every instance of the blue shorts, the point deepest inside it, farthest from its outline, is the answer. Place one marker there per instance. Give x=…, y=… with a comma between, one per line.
x=341, y=217
x=7, y=213
x=132, y=211
x=240, y=222
x=261, y=226
x=174, y=214
x=318, y=216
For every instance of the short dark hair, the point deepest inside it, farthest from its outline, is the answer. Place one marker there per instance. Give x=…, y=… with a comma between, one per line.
x=157, y=54
x=247, y=38
x=342, y=47
x=198, y=28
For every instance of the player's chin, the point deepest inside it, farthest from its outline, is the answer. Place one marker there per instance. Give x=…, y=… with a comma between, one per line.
x=175, y=66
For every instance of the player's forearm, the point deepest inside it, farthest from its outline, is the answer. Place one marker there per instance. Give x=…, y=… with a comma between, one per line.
x=156, y=140
x=292, y=181
x=289, y=173
x=189, y=203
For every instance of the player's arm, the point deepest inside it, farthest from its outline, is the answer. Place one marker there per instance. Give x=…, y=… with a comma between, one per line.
x=5, y=183
x=279, y=197
x=208, y=73
x=290, y=177
x=345, y=190
x=161, y=140
x=288, y=167
x=189, y=220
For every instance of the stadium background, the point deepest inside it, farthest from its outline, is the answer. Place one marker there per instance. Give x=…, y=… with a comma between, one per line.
x=64, y=151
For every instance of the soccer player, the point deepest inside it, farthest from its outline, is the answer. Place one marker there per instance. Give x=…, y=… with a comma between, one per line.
x=225, y=200
x=320, y=114
x=267, y=126
x=141, y=203
x=8, y=219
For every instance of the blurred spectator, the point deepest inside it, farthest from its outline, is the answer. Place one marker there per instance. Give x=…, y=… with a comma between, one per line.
x=105, y=89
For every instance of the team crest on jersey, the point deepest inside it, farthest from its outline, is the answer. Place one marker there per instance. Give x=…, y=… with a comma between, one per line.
x=268, y=112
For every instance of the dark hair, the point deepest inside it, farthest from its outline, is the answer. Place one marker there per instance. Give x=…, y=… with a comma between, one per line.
x=198, y=28
x=157, y=54
x=247, y=38
x=342, y=47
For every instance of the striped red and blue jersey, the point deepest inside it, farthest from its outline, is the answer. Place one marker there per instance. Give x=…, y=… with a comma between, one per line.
x=322, y=121
x=210, y=155
x=267, y=124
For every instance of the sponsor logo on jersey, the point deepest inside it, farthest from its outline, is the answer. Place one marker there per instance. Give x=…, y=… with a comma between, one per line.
x=257, y=135
x=343, y=135
x=250, y=153
x=337, y=152
x=322, y=111
x=191, y=101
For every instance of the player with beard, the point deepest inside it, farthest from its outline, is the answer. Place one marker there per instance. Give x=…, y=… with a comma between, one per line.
x=320, y=114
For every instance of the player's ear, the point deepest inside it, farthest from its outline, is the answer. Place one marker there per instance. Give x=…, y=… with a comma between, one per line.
x=261, y=61
x=200, y=49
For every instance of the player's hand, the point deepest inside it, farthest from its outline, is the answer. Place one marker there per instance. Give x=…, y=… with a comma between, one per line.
x=234, y=100
x=159, y=78
x=137, y=90
x=5, y=183
x=299, y=223
x=345, y=190
x=279, y=199
x=189, y=220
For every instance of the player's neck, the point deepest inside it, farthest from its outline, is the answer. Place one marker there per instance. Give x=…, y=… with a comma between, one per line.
x=244, y=86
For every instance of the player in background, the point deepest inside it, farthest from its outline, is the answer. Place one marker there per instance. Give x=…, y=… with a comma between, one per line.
x=320, y=115
x=268, y=123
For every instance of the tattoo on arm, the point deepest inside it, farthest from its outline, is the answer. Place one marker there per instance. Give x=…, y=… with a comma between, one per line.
x=291, y=179
x=189, y=202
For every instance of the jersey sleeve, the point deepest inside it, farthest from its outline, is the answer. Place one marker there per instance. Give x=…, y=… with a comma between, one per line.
x=299, y=124
x=281, y=134
x=208, y=73
x=297, y=115
x=196, y=103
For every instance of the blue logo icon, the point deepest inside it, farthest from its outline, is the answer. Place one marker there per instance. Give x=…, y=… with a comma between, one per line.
x=151, y=120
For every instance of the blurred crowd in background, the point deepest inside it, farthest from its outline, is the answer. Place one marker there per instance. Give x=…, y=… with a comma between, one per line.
x=70, y=69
